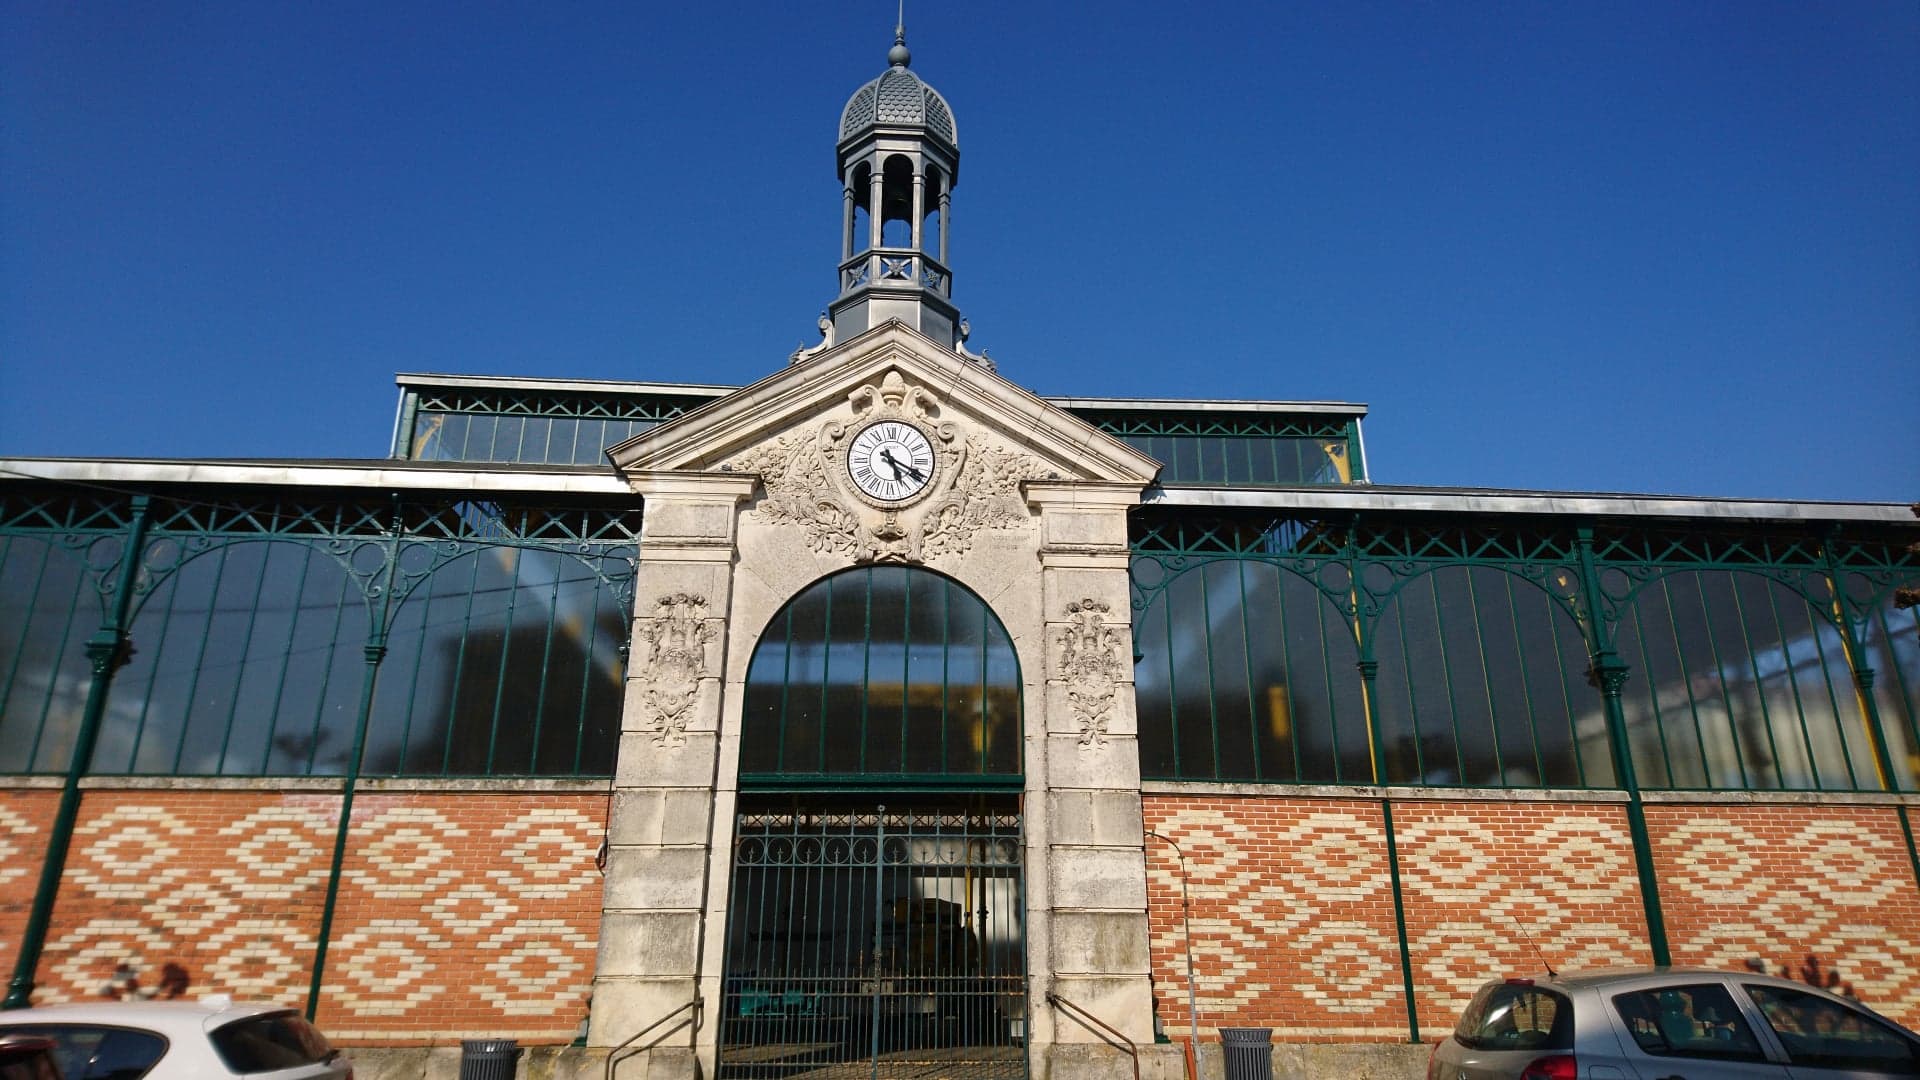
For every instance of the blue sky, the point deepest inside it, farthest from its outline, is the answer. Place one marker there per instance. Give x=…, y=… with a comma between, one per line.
x=1659, y=247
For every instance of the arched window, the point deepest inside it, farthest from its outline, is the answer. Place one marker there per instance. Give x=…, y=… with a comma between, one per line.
x=882, y=673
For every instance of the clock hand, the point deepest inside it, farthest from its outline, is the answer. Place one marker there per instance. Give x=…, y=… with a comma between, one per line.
x=898, y=468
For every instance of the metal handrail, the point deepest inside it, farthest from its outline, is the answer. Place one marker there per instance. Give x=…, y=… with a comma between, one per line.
x=1105, y=1029
x=613, y=1056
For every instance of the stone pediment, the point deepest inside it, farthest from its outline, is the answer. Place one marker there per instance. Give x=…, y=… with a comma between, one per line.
x=848, y=384
x=887, y=448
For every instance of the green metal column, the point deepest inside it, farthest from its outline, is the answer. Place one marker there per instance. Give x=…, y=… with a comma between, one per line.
x=106, y=651
x=1863, y=680
x=375, y=651
x=1610, y=673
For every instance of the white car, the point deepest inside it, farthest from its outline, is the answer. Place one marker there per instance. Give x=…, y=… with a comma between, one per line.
x=180, y=1040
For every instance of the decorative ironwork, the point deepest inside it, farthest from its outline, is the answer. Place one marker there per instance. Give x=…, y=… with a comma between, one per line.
x=1741, y=670
x=875, y=942
x=292, y=588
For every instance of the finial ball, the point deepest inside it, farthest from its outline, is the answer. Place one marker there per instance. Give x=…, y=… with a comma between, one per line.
x=899, y=56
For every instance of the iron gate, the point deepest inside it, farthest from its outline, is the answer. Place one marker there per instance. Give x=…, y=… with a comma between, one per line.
x=878, y=943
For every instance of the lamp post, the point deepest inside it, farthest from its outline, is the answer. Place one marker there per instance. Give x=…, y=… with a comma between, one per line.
x=1186, y=929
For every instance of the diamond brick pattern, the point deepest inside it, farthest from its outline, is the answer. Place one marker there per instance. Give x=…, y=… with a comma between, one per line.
x=1497, y=888
x=1292, y=917
x=1293, y=907
x=25, y=817
x=1777, y=884
x=224, y=887
x=476, y=914
x=458, y=914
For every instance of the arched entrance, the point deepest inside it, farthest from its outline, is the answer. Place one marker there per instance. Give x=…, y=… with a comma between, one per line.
x=875, y=926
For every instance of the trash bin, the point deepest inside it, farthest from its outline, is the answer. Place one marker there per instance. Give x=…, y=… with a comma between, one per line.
x=1247, y=1052
x=489, y=1059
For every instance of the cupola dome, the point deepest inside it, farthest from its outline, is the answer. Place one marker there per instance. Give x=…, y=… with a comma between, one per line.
x=898, y=99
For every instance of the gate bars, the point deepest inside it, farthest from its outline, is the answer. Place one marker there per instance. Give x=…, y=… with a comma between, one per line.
x=875, y=943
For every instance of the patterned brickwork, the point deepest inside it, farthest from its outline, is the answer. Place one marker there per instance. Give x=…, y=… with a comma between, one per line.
x=25, y=817
x=220, y=889
x=1496, y=888
x=458, y=915
x=1292, y=917
x=465, y=915
x=1777, y=884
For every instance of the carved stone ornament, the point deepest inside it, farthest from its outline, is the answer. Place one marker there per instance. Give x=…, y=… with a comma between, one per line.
x=975, y=486
x=676, y=636
x=1089, y=662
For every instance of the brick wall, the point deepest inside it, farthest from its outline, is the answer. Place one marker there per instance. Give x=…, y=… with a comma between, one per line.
x=459, y=914
x=1292, y=915
x=1293, y=918
x=25, y=817
x=1507, y=888
x=1777, y=883
x=465, y=916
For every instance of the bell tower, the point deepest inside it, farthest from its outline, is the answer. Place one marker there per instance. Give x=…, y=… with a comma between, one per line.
x=899, y=158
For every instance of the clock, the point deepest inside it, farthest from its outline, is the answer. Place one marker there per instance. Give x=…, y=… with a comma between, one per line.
x=890, y=460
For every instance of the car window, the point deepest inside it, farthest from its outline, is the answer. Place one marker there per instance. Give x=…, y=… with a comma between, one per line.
x=1698, y=1021
x=274, y=1041
x=95, y=1052
x=1516, y=1016
x=1824, y=1033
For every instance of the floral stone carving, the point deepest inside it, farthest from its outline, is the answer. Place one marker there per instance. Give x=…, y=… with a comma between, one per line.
x=1089, y=662
x=976, y=485
x=676, y=637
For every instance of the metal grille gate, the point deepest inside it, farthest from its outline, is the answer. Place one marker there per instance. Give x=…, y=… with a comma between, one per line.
x=877, y=943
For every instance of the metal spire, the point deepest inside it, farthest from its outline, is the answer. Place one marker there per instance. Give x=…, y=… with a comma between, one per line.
x=899, y=56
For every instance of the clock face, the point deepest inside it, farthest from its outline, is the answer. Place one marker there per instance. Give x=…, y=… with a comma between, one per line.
x=890, y=460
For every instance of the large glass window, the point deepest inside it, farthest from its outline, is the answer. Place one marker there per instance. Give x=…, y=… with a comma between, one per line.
x=506, y=661
x=1482, y=681
x=1247, y=671
x=1890, y=639
x=882, y=671
x=246, y=660
x=1739, y=682
x=1246, y=460
x=48, y=608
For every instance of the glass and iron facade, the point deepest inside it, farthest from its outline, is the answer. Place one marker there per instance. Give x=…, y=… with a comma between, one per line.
x=1382, y=646
x=300, y=632
x=1234, y=444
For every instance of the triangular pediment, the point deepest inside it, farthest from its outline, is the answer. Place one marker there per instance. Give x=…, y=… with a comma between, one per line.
x=953, y=397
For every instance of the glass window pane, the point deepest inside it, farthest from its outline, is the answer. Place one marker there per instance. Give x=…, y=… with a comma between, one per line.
x=1822, y=1033
x=1694, y=1021
x=47, y=611
x=506, y=439
x=911, y=673
x=1227, y=669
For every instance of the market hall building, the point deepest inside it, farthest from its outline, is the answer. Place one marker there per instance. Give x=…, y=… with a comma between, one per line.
x=882, y=717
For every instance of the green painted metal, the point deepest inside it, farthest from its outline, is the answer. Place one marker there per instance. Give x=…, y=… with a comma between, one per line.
x=106, y=650
x=880, y=941
x=1770, y=639
x=195, y=586
x=1400, y=923
x=502, y=424
x=1611, y=675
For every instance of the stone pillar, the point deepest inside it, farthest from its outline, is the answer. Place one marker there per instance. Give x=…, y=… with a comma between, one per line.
x=919, y=204
x=661, y=824
x=1088, y=938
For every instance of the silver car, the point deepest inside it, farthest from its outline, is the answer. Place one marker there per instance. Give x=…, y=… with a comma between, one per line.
x=1669, y=1024
x=179, y=1040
